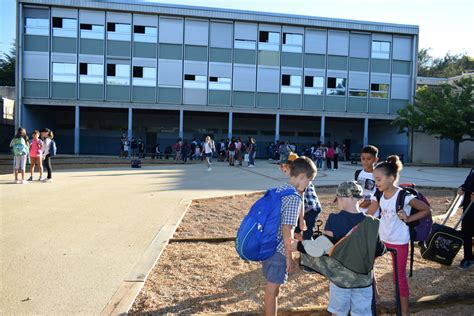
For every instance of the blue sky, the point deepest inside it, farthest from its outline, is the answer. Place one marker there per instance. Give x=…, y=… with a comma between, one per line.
x=444, y=25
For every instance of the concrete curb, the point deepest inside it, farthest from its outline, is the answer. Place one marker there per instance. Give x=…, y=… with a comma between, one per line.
x=122, y=300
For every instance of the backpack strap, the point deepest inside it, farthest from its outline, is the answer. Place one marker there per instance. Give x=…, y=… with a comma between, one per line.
x=357, y=173
x=400, y=205
x=378, y=195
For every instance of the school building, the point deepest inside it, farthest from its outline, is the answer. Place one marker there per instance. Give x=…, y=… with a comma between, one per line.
x=91, y=70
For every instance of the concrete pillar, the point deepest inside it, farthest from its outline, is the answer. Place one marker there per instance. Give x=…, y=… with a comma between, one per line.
x=77, y=130
x=181, y=127
x=229, y=132
x=322, y=139
x=130, y=122
x=277, y=127
x=366, y=131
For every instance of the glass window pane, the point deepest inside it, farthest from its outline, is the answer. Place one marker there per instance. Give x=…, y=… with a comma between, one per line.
x=97, y=32
x=122, y=32
x=35, y=26
x=244, y=44
x=63, y=72
x=318, y=82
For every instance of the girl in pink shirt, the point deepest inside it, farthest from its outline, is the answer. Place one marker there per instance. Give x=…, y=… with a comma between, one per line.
x=36, y=155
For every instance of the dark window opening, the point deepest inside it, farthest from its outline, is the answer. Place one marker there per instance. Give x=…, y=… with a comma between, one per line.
x=374, y=87
x=111, y=27
x=139, y=29
x=58, y=22
x=189, y=77
x=285, y=80
x=82, y=68
x=111, y=70
x=213, y=79
x=332, y=83
x=86, y=27
x=284, y=38
x=308, y=81
x=137, y=72
x=263, y=37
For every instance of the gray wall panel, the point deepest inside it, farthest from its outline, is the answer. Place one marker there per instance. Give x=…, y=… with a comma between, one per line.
x=36, y=43
x=221, y=34
x=337, y=62
x=143, y=94
x=64, y=45
x=36, y=89
x=60, y=90
x=402, y=48
x=196, y=32
x=396, y=105
x=291, y=60
x=170, y=51
x=118, y=93
x=315, y=41
x=268, y=80
x=378, y=105
x=170, y=72
x=315, y=61
x=401, y=67
x=335, y=104
x=243, y=99
x=144, y=50
x=92, y=47
x=246, y=31
x=91, y=91
x=267, y=100
x=170, y=30
x=169, y=95
x=118, y=48
x=359, y=64
x=380, y=65
x=360, y=45
x=195, y=96
x=338, y=43
x=244, y=78
x=357, y=105
x=217, y=97
x=290, y=101
x=35, y=65
x=313, y=102
x=220, y=55
x=196, y=53
x=245, y=56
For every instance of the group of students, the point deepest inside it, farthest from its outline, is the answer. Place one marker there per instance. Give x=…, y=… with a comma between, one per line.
x=131, y=148
x=37, y=152
x=356, y=199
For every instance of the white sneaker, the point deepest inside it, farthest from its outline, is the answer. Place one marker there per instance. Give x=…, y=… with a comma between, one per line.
x=47, y=180
x=24, y=182
x=251, y=166
x=209, y=169
x=41, y=179
x=17, y=181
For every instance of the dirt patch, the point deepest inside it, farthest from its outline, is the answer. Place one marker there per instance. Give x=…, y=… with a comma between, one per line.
x=205, y=278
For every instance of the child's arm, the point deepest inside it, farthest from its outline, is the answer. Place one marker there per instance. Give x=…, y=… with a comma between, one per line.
x=373, y=207
x=287, y=231
x=423, y=209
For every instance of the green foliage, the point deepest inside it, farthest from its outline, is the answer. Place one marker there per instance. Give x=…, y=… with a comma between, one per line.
x=448, y=66
x=409, y=118
x=7, y=68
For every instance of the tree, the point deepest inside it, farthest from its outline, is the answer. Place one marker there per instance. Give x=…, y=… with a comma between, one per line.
x=447, y=113
x=409, y=120
x=448, y=66
x=7, y=68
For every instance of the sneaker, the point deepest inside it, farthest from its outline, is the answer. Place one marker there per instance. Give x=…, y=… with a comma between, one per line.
x=251, y=166
x=17, y=181
x=24, y=182
x=47, y=180
x=465, y=264
x=41, y=179
x=30, y=179
x=209, y=169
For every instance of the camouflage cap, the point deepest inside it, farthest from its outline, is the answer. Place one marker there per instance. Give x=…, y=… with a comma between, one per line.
x=349, y=189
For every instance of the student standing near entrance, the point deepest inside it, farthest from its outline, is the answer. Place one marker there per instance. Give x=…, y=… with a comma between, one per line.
x=208, y=152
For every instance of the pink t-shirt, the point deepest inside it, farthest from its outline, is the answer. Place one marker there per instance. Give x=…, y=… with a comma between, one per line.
x=36, y=148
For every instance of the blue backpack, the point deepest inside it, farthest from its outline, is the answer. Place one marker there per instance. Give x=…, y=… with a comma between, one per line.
x=257, y=236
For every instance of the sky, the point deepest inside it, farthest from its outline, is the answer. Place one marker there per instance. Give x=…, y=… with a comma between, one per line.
x=445, y=25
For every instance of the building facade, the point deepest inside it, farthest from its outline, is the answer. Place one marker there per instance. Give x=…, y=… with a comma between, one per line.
x=91, y=70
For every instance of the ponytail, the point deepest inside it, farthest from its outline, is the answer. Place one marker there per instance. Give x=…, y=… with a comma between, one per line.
x=391, y=167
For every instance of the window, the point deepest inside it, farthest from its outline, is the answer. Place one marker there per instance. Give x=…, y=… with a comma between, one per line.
x=63, y=27
x=145, y=34
x=219, y=83
x=292, y=43
x=91, y=73
x=269, y=41
x=357, y=93
x=195, y=81
x=144, y=76
x=64, y=72
x=118, y=32
x=34, y=26
x=92, y=31
x=313, y=85
x=118, y=74
x=336, y=86
x=244, y=44
x=290, y=84
x=378, y=90
x=380, y=50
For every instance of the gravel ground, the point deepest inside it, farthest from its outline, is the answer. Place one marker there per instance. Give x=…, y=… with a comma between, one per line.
x=210, y=278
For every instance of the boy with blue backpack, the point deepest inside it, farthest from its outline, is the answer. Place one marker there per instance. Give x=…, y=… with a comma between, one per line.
x=266, y=233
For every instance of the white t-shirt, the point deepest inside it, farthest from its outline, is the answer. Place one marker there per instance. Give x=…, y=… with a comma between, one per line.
x=392, y=229
x=207, y=148
x=367, y=182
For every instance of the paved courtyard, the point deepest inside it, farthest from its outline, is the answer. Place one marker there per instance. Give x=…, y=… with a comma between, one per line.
x=67, y=246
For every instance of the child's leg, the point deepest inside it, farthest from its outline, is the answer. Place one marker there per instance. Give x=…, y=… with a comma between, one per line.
x=402, y=258
x=40, y=166
x=32, y=166
x=23, y=167
x=271, y=298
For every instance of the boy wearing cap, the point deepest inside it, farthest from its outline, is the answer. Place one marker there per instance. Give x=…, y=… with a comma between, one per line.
x=341, y=300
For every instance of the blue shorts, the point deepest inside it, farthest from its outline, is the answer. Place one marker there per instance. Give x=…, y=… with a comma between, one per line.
x=209, y=155
x=358, y=301
x=274, y=269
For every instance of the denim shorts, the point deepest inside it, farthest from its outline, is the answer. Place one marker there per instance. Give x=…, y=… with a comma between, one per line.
x=358, y=301
x=274, y=269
